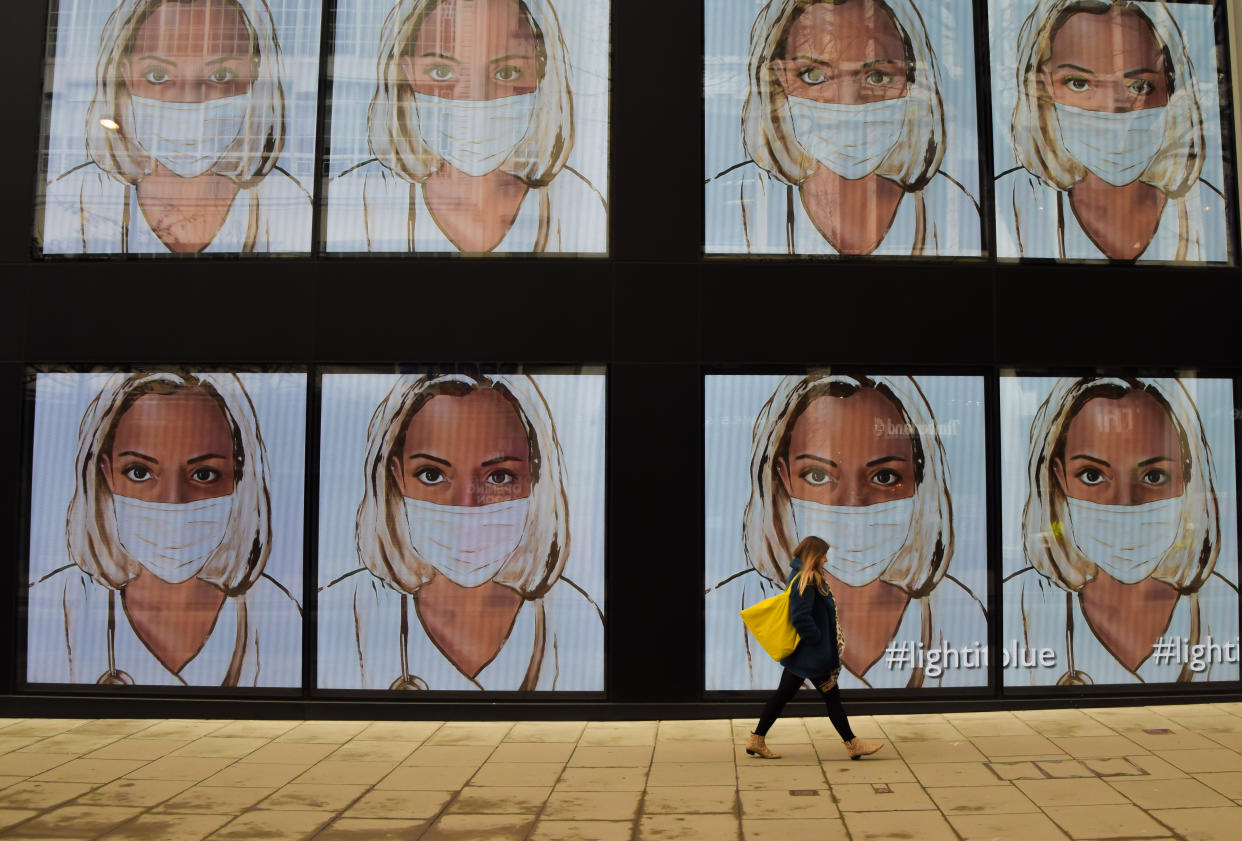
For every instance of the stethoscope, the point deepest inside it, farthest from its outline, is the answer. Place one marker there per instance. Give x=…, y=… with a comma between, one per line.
x=407, y=680
x=113, y=676
x=1073, y=676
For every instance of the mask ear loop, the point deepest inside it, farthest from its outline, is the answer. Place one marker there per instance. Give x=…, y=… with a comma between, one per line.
x=407, y=680
x=113, y=677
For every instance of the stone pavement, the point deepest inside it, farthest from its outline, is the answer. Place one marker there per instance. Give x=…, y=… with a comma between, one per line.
x=1169, y=772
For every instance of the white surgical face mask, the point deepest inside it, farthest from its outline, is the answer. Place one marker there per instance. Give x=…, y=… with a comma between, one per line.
x=475, y=136
x=862, y=540
x=1118, y=147
x=851, y=140
x=468, y=544
x=1126, y=541
x=172, y=540
x=189, y=137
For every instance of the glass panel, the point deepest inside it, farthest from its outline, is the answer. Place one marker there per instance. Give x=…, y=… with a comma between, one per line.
x=858, y=128
x=179, y=128
x=469, y=127
x=1107, y=138
x=1119, y=531
x=461, y=531
x=890, y=471
x=166, y=529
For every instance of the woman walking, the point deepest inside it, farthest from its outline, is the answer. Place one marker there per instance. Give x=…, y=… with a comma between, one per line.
x=818, y=655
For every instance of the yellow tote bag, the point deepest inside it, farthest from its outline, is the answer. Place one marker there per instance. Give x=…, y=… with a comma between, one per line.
x=769, y=622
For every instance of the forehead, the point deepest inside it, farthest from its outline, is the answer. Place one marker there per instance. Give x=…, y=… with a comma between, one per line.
x=459, y=24
x=479, y=417
x=854, y=417
x=856, y=30
x=188, y=416
x=200, y=28
x=1118, y=38
x=1135, y=420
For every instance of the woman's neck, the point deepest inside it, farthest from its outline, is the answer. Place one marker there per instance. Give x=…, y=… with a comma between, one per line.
x=854, y=216
x=172, y=620
x=1121, y=221
x=185, y=213
x=469, y=625
x=1128, y=618
x=474, y=212
x=869, y=617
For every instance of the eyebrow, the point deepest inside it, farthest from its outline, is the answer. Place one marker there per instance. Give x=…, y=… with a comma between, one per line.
x=812, y=59
x=884, y=460
x=204, y=457
x=816, y=458
x=431, y=458
x=510, y=56
x=1138, y=71
x=160, y=59
x=222, y=59
x=876, y=61
x=500, y=460
x=138, y=455
x=1153, y=460
x=439, y=55
x=1091, y=458
x=1076, y=67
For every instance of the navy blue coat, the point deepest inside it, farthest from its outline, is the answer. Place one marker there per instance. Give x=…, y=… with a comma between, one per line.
x=814, y=617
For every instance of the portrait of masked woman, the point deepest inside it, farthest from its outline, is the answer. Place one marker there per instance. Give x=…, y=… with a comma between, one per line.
x=845, y=137
x=1113, y=132
x=468, y=547
x=1122, y=531
x=168, y=535
x=184, y=134
x=859, y=462
x=472, y=132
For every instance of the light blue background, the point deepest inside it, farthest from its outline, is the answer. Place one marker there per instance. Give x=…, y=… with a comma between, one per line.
x=576, y=402
x=1005, y=18
x=726, y=45
x=78, y=27
x=584, y=25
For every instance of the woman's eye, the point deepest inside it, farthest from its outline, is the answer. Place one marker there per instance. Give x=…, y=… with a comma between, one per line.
x=816, y=476
x=1141, y=87
x=205, y=475
x=1090, y=476
x=878, y=78
x=1078, y=84
x=508, y=73
x=221, y=75
x=1155, y=477
x=812, y=75
x=156, y=75
x=440, y=73
x=137, y=473
x=886, y=478
x=430, y=475
x=501, y=477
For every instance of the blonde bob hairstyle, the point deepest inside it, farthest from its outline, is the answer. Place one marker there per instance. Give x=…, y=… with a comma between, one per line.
x=767, y=125
x=768, y=532
x=258, y=146
x=91, y=530
x=381, y=532
x=392, y=121
x=1047, y=532
x=1036, y=131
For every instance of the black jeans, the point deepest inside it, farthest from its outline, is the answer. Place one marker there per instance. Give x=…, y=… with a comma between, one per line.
x=789, y=686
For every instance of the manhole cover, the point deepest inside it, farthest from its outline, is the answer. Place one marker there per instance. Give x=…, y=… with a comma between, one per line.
x=881, y=788
x=1159, y=731
x=804, y=792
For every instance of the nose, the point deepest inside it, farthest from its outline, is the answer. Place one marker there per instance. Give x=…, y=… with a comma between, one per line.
x=174, y=490
x=466, y=493
x=1117, y=97
x=852, y=493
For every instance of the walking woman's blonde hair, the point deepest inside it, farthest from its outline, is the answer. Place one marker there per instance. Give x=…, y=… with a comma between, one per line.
x=812, y=552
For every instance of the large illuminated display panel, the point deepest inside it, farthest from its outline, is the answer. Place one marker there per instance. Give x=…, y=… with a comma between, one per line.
x=461, y=531
x=890, y=471
x=179, y=127
x=468, y=126
x=166, y=519
x=1107, y=129
x=841, y=128
x=1119, y=531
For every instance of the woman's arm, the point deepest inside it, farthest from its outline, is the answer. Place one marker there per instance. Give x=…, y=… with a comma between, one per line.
x=801, y=615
